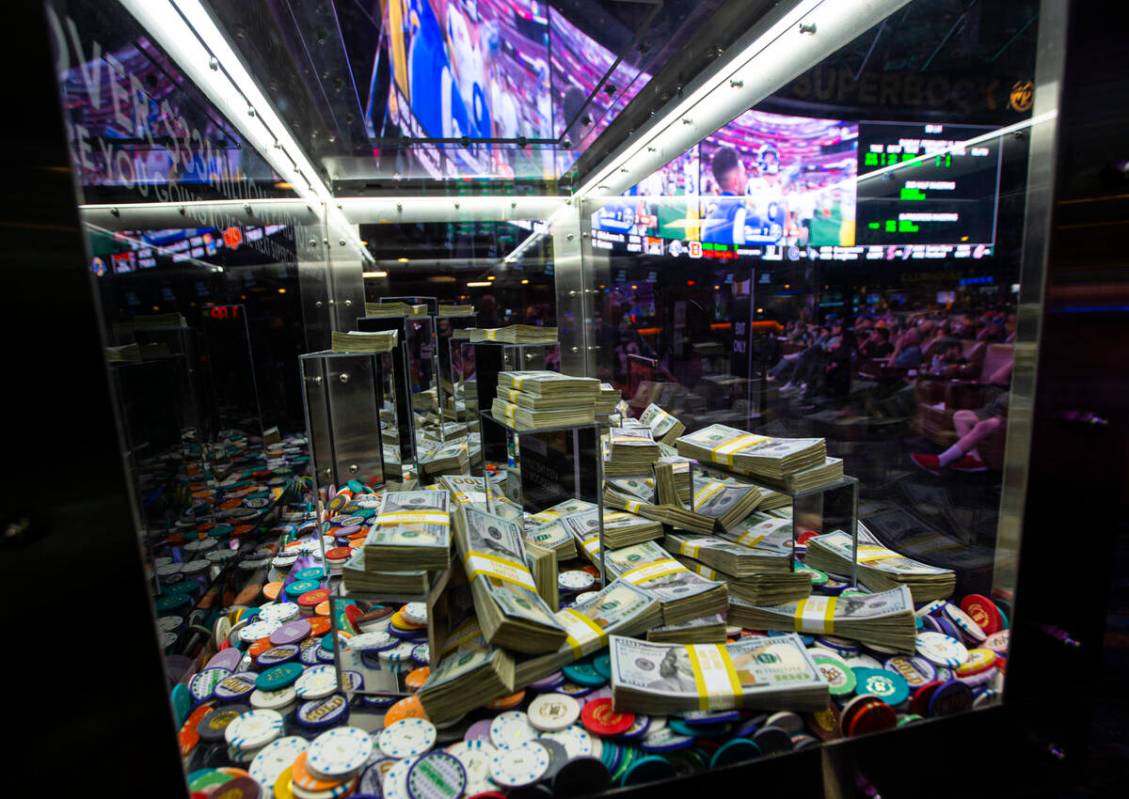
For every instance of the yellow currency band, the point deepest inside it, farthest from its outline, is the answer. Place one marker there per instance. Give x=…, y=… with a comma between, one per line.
x=592, y=544
x=868, y=553
x=750, y=539
x=517, y=382
x=479, y=564
x=708, y=493
x=582, y=632
x=414, y=517
x=689, y=549
x=652, y=571
x=452, y=645
x=632, y=505
x=491, y=335
x=725, y=451
x=816, y=615
x=714, y=676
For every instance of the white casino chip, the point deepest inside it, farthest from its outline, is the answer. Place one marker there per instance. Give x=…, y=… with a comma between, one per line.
x=415, y=612
x=369, y=641
x=576, y=740
x=941, y=650
x=575, y=580
x=253, y=729
x=511, y=729
x=551, y=712
x=395, y=785
x=475, y=757
x=966, y=623
x=520, y=765
x=316, y=682
x=256, y=630
x=407, y=738
x=275, y=758
x=340, y=753
x=862, y=661
x=280, y=612
x=273, y=700
x=582, y=598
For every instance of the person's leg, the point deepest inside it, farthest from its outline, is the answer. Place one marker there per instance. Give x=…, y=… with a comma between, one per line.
x=960, y=455
x=963, y=423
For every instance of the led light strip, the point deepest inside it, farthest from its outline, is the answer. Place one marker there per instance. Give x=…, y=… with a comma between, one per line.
x=790, y=38
x=187, y=33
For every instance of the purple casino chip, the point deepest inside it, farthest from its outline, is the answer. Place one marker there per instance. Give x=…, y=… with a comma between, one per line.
x=599, y=693
x=479, y=731
x=225, y=659
x=948, y=628
x=915, y=670
x=550, y=683
x=291, y=632
x=308, y=651
x=750, y=726
x=345, y=532
x=706, y=718
x=930, y=624
x=638, y=728
x=277, y=655
x=379, y=702
x=372, y=778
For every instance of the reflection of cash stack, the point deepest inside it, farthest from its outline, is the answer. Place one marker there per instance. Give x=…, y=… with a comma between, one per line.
x=399, y=380
x=491, y=358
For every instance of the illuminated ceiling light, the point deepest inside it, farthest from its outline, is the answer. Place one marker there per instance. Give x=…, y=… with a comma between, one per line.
x=525, y=282
x=491, y=278
x=634, y=287
x=776, y=49
x=187, y=33
x=374, y=274
x=403, y=260
x=479, y=284
x=282, y=291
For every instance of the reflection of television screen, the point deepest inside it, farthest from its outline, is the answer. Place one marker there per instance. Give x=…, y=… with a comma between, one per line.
x=946, y=297
x=781, y=186
x=779, y=180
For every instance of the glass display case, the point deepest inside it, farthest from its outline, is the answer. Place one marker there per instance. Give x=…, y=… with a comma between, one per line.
x=569, y=397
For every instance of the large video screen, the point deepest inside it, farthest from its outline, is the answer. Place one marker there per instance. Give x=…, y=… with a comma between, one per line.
x=776, y=186
x=494, y=69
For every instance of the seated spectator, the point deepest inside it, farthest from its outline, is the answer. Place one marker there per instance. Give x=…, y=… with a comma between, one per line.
x=877, y=344
x=908, y=354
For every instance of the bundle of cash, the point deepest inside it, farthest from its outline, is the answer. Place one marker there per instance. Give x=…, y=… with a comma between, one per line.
x=769, y=538
x=510, y=611
x=356, y=578
x=630, y=451
x=544, y=384
x=676, y=479
x=451, y=458
x=515, y=334
x=357, y=341
x=412, y=531
x=538, y=403
x=663, y=426
x=620, y=609
x=752, y=454
x=387, y=309
x=683, y=594
x=126, y=353
x=456, y=310
x=827, y=472
x=521, y=419
x=706, y=630
x=546, y=529
x=607, y=399
x=621, y=529
x=761, y=588
x=542, y=563
x=755, y=673
x=879, y=568
x=726, y=556
x=884, y=619
x=469, y=674
x=717, y=503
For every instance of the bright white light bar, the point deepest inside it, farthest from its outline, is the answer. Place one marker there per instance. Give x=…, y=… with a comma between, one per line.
x=791, y=38
x=479, y=284
x=185, y=30
x=374, y=274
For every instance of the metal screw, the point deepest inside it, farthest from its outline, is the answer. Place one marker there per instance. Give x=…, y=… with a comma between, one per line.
x=736, y=84
x=250, y=111
x=344, y=377
x=182, y=211
x=318, y=304
x=214, y=63
x=317, y=380
x=354, y=468
x=247, y=209
x=313, y=242
x=341, y=242
x=570, y=237
x=687, y=121
x=115, y=212
x=576, y=349
x=572, y=292
x=348, y=303
x=808, y=28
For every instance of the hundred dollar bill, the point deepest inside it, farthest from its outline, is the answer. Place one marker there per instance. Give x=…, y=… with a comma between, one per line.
x=621, y=529
x=879, y=568
x=358, y=341
x=412, y=531
x=470, y=673
x=510, y=611
x=619, y=608
x=750, y=453
x=664, y=427
x=884, y=619
x=756, y=673
x=683, y=594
